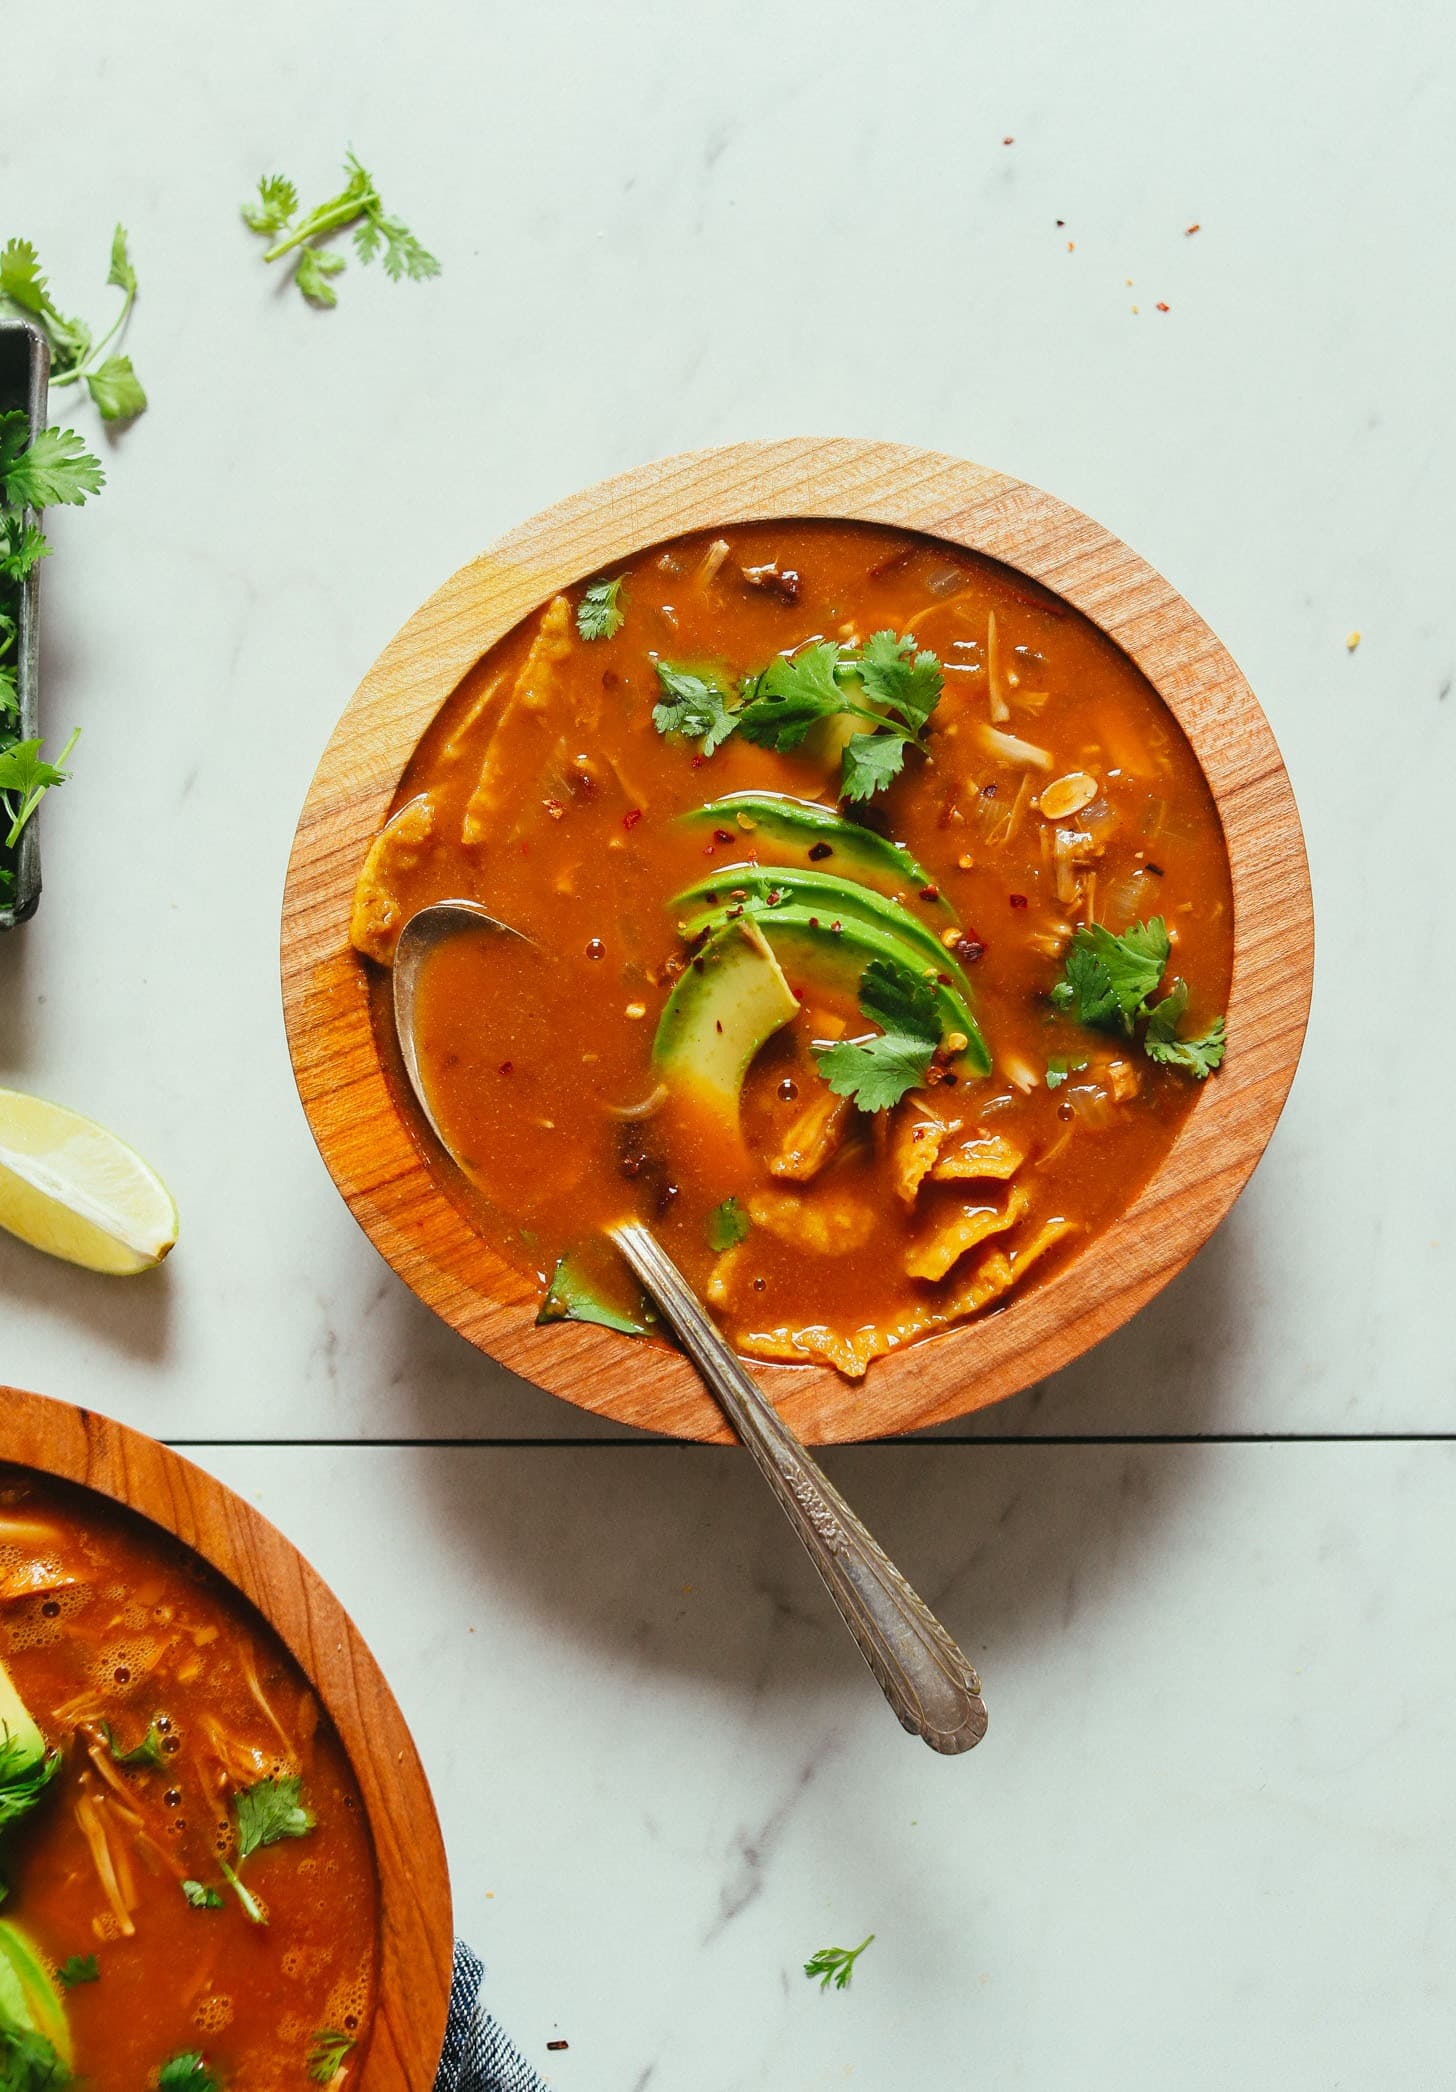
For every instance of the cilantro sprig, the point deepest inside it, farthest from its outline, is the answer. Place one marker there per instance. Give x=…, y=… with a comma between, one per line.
x=876, y=1072
x=377, y=234
x=187, y=2072
x=886, y=684
x=77, y=355
x=78, y=1968
x=599, y=614
x=728, y=1225
x=1108, y=983
x=835, y=1964
x=147, y=1753
x=264, y=1814
x=326, y=2054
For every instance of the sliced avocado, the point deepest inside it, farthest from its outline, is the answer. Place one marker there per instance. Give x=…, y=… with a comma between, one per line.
x=729, y=1001
x=29, y=2001
x=575, y=1296
x=769, y=887
x=789, y=829
x=804, y=943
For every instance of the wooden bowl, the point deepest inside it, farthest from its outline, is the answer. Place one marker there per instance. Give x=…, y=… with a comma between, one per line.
x=415, y=1932
x=367, y=1128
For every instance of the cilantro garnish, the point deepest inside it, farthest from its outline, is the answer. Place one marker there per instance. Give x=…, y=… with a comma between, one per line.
x=76, y=356
x=1108, y=982
x=26, y=1770
x=147, y=1752
x=1197, y=1057
x=696, y=705
x=186, y=2073
x=886, y=684
x=25, y=778
x=265, y=1814
x=80, y=1968
x=876, y=1072
x=1059, y=1068
x=358, y=203
x=572, y=1297
x=200, y=1896
x=29, y=2063
x=599, y=614
x=728, y=1224
x=326, y=2054
x=835, y=1964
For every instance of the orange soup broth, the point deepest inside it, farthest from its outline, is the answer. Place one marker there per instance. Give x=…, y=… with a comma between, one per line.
x=102, y=1618
x=530, y=1049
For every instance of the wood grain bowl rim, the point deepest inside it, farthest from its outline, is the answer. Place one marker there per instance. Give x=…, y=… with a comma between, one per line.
x=416, y=1941
x=397, y=1184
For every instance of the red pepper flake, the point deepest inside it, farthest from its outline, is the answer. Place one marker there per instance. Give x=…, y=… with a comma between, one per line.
x=554, y=808
x=711, y=897
x=1061, y=221
x=723, y=835
x=1018, y=900
x=507, y=1067
x=1155, y=869
x=632, y=816
x=836, y=927
x=949, y=1078
x=930, y=893
x=698, y=761
x=969, y=949
x=819, y=851
x=1189, y=230
x=1162, y=307
x=718, y=1023
x=1071, y=246
x=1008, y=141
x=558, y=2044
x=989, y=792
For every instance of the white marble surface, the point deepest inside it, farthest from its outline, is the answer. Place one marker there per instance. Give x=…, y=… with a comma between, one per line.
x=1204, y=1841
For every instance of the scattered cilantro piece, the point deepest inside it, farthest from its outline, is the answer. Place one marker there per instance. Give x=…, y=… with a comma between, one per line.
x=201, y=1897
x=835, y=1964
x=377, y=235
x=869, y=763
x=187, y=2073
x=599, y=614
x=26, y=1769
x=76, y=354
x=148, y=1752
x=55, y=468
x=1059, y=1069
x=899, y=680
x=1197, y=1057
x=885, y=683
x=793, y=694
x=728, y=1224
x=697, y=706
x=326, y=2054
x=876, y=1072
x=81, y=1968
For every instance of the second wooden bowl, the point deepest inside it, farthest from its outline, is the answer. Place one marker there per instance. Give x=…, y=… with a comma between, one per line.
x=415, y=1930
x=367, y=1128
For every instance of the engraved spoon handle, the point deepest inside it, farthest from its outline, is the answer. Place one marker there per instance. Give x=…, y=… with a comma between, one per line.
x=928, y=1682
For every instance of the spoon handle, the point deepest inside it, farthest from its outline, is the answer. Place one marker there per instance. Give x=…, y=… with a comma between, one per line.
x=928, y=1682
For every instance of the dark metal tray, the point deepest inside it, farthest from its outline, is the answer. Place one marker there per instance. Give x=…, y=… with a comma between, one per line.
x=25, y=361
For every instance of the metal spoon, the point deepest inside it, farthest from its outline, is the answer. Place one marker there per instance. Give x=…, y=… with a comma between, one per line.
x=929, y=1683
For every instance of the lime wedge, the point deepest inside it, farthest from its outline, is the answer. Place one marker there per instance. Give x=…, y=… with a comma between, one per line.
x=69, y=1187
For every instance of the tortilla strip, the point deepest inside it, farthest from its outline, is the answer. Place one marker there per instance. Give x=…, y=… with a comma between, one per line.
x=378, y=915
x=933, y=1256
x=813, y=1138
x=916, y=1139
x=531, y=692
x=982, y=1155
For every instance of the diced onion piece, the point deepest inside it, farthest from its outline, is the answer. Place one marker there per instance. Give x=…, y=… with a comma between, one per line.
x=645, y=1109
x=710, y=562
x=1010, y=748
x=1068, y=795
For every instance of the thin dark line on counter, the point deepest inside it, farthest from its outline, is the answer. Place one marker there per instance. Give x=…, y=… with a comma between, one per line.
x=688, y=1445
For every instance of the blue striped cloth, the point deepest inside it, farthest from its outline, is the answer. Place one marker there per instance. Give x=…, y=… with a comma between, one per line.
x=479, y=2056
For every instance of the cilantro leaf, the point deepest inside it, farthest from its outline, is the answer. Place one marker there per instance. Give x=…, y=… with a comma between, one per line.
x=377, y=235
x=187, y=2072
x=599, y=614
x=200, y=1896
x=1108, y=979
x=877, y=1072
x=21, y=281
x=899, y=679
x=116, y=389
x=29, y=2063
x=25, y=778
x=571, y=1297
x=793, y=694
x=326, y=2054
x=148, y=1752
x=55, y=467
x=315, y=266
x=23, y=545
x=869, y=762
x=276, y=204
x=121, y=273
x=728, y=1225
x=1197, y=1057
x=270, y=1812
x=1059, y=1069
x=81, y=1968
x=696, y=706
x=835, y=1964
